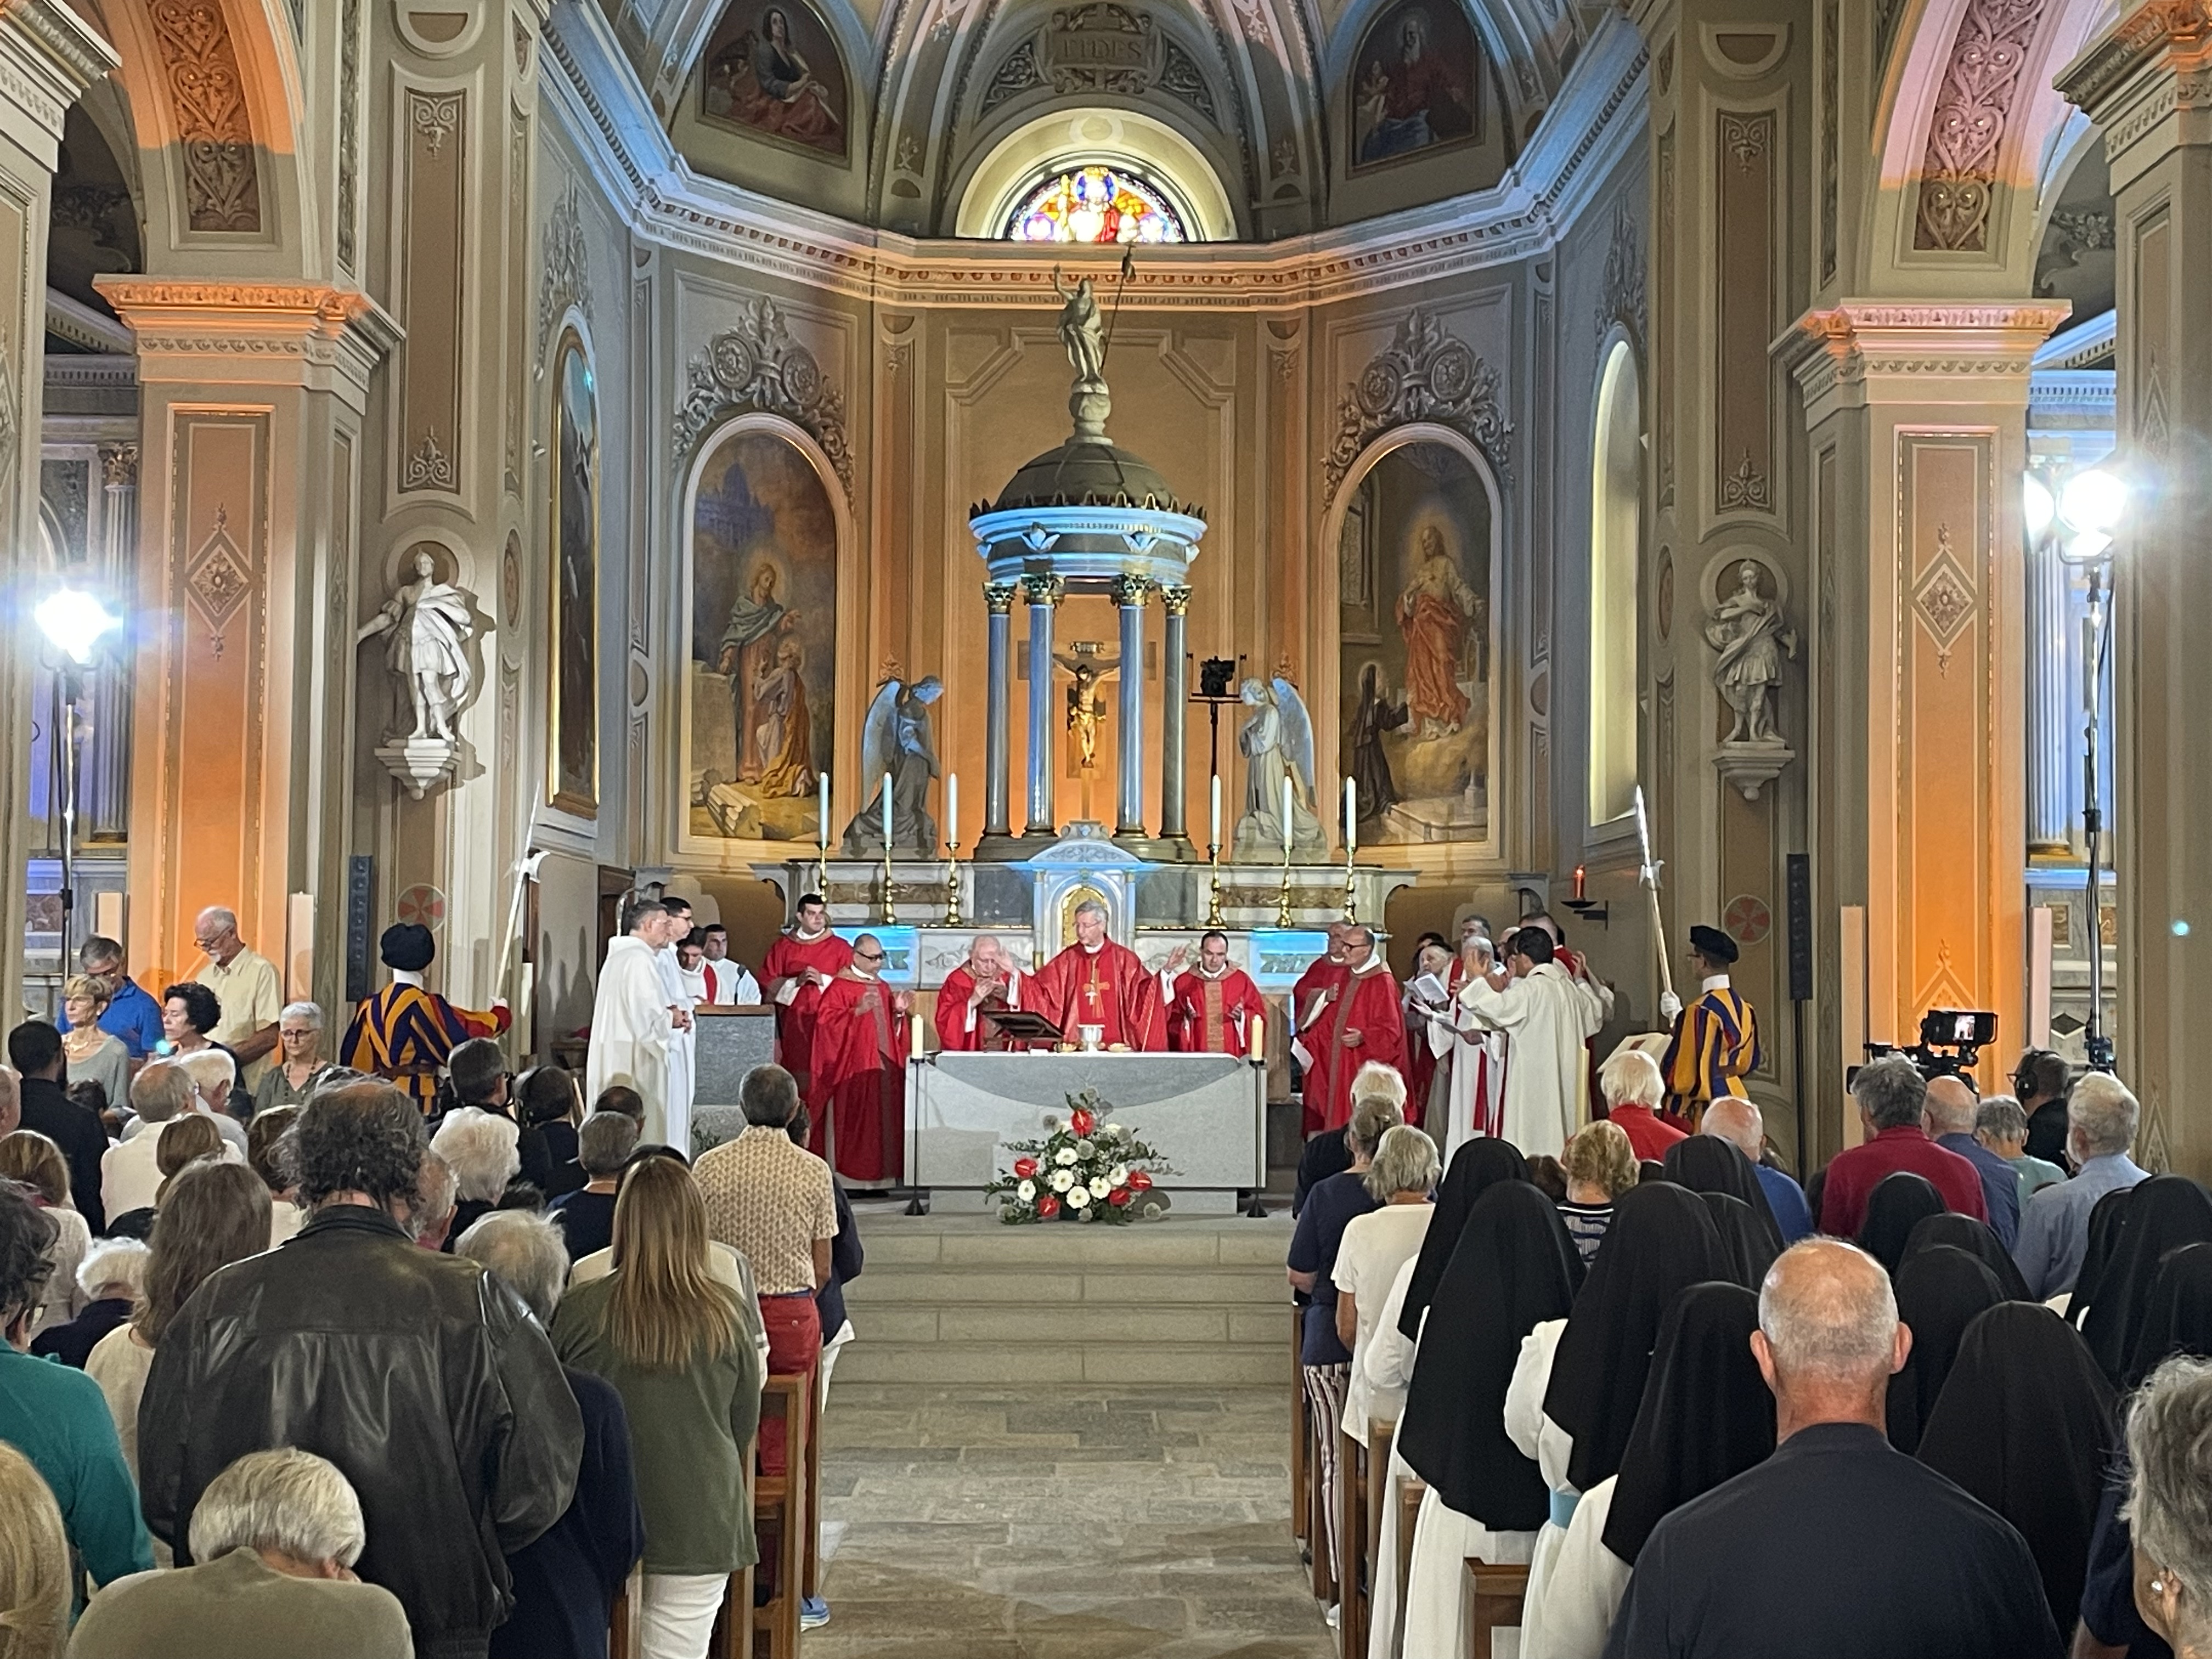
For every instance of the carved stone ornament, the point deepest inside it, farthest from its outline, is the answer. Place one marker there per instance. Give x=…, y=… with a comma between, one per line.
x=1425, y=373
x=1101, y=47
x=566, y=277
x=1750, y=638
x=1621, y=300
x=207, y=103
x=758, y=366
x=1989, y=56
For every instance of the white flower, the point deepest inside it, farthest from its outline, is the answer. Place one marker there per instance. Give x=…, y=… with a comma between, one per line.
x=1026, y=1192
x=1114, y=1131
x=1065, y=1156
x=1061, y=1180
x=1098, y=1186
x=1078, y=1198
x=1118, y=1176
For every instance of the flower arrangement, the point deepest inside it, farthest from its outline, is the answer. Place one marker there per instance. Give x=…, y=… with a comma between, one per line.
x=1084, y=1169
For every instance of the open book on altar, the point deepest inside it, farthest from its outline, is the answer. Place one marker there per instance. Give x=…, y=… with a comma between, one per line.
x=1021, y=1025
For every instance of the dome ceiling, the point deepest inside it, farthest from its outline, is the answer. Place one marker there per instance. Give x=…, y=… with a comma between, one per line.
x=1260, y=119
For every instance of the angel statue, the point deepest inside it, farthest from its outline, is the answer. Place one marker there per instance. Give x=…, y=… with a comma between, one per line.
x=1081, y=330
x=429, y=628
x=895, y=740
x=1746, y=631
x=1277, y=743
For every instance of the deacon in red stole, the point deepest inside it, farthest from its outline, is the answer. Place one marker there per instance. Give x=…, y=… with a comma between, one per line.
x=1309, y=997
x=797, y=967
x=986, y=984
x=1095, y=982
x=1362, y=1019
x=858, y=1093
x=1211, y=1008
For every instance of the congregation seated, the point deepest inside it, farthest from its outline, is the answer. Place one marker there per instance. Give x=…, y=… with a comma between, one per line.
x=1892, y=1099
x=35, y=1164
x=586, y=1213
x=1373, y=1248
x=277, y=1535
x=1633, y=1089
x=2054, y=1226
x=35, y=1567
x=110, y=1279
x=547, y=1103
x=41, y=1103
x=1599, y=1165
x=1739, y=1123
x=484, y=1149
x=1949, y=1118
x=2002, y=1127
x=2169, y=1441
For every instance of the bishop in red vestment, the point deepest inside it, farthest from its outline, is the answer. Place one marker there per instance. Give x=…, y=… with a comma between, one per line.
x=1095, y=982
x=799, y=966
x=1362, y=1019
x=985, y=984
x=858, y=1092
x=1213, y=1006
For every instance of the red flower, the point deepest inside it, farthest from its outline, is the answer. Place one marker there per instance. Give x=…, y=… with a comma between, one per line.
x=1024, y=1168
x=1139, y=1181
x=1081, y=1121
x=1047, y=1206
x=1120, y=1196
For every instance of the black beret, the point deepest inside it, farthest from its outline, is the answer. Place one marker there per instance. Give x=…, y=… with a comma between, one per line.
x=1713, y=944
x=407, y=946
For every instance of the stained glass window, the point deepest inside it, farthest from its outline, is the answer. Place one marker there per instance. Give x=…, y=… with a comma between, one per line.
x=1095, y=204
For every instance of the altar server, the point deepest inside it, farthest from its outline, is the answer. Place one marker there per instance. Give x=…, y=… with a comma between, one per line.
x=1095, y=982
x=1549, y=1020
x=1360, y=1020
x=730, y=983
x=684, y=996
x=1716, y=1042
x=633, y=1021
x=984, y=985
x=858, y=1094
x=1212, y=1007
x=405, y=1031
x=795, y=972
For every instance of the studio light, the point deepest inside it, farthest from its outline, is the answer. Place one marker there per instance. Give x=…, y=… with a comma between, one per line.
x=2036, y=503
x=2093, y=500
x=74, y=621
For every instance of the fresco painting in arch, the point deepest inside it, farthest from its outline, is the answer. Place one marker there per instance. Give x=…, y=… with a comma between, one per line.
x=573, y=745
x=763, y=538
x=1415, y=86
x=772, y=71
x=1414, y=637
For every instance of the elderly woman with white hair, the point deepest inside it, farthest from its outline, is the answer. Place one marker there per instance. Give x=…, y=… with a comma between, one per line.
x=300, y=1063
x=275, y=1535
x=485, y=1150
x=1633, y=1087
x=565, y=1582
x=214, y=1072
x=2170, y=1503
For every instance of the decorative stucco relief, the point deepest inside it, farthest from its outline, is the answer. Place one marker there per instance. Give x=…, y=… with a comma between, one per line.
x=1425, y=373
x=207, y=101
x=565, y=279
x=1621, y=300
x=758, y=365
x=1988, y=59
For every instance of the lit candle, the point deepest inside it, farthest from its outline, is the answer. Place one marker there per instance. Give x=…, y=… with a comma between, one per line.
x=1213, y=817
x=914, y=1034
x=887, y=815
x=1350, y=818
x=1286, y=819
x=952, y=808
x=825, y=812
x=1579, y=884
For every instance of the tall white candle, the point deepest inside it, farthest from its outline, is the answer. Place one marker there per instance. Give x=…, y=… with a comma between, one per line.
x=1213, y=816
x=825, y=812
x=1351, y=816
x=952, y=808
x=1286, y=817
x=887, y=814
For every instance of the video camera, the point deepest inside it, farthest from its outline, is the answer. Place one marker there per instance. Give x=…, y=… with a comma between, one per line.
x=1951, y=1042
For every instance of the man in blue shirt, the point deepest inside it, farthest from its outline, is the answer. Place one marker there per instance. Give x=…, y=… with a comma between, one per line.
x=2054, y=1228
x=132, y=1014
x=1738, y=1122
x=1948, y=1117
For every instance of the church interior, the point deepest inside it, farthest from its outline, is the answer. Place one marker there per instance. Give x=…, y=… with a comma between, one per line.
x=1656, y=465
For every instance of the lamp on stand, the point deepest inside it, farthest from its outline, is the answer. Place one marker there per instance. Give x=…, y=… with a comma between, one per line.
x=74, y=621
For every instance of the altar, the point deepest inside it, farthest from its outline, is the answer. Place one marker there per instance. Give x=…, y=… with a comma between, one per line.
x=1206, y=1114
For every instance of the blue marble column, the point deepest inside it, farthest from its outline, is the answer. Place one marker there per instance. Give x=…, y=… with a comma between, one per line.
x=2053, y=704
x=998, y=598
x=1130, y=593
x=1174, y=705
x=1044, y=594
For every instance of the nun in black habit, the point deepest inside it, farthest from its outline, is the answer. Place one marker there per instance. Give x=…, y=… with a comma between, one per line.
x=1975, y=1238
x=1940, y=1293
x=2162, y=1215
x=1900, y=1202
x=1477, y=1166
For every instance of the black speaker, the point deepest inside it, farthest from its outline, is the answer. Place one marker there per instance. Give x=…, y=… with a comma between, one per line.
x=1800, y=883
x=360, y=888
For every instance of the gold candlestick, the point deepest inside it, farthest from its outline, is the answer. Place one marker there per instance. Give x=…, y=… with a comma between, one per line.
x=888, y=918
x=951, y=883
x=1351, y=892
x=822, y=874
x=1283, y=918
x=1213, y=917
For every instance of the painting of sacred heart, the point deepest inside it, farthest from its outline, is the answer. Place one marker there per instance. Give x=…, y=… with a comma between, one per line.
x=772, y=71
x=763, y=638
x=1414, y=559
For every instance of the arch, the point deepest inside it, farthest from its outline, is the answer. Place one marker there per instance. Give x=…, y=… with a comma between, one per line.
x=695, y=852
x=1615, y=581
x=1065, y=138
x=1325, y=693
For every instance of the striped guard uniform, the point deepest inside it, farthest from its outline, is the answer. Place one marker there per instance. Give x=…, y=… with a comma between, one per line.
x=1715, y=1046
x=406, y=1033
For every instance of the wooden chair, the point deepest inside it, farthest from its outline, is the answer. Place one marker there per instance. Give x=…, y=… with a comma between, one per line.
x=1381, y=1434
x=732, y=1635
x=779, y=1512
x=1301, y=1510
x=1411, y=1491
x=1353, y=1560
x=813, y=1577
x=1495, y=1596
x=622, y=1630
x=1317, y=1502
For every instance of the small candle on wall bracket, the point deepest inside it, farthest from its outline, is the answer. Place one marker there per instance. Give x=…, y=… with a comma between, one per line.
x=1582, y=884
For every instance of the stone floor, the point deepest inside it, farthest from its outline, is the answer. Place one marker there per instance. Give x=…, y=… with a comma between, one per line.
x=1061, y=1521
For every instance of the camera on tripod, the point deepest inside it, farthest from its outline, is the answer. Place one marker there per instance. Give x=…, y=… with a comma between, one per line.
x=1951, y=1042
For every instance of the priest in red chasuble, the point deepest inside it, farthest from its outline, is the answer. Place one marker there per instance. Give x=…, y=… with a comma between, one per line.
x=986, y=984
x=858, y=1092
x=797, y=967
x=1309, y=997
x=1211, y=1008
x=1362, y=1019
x=1095, y=982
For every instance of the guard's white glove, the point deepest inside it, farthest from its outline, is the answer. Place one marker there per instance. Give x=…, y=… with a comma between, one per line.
x=1670, y=1006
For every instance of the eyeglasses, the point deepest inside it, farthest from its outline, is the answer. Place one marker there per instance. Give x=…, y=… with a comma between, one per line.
x=864, y=956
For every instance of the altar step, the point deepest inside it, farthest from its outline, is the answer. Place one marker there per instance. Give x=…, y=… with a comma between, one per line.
x=1190, y=1301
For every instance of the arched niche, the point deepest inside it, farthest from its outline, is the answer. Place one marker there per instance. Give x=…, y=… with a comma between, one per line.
x=1067, y=138
x=766, y=528
x=1615, y=550
x=1411, y=548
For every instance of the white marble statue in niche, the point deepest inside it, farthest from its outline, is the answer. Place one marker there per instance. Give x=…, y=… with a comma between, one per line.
x=427, y=629
x=1750, y=638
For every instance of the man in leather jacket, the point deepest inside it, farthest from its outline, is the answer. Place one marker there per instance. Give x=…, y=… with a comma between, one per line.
x=422, y=1377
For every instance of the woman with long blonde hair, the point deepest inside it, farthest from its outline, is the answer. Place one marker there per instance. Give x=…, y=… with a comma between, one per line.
x=667, y=1333
x=34, y=1564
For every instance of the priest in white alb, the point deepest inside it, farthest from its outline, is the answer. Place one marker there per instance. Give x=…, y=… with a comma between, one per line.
x=1547, y=1019
x=684, y=1044
x=1475, y=1098
x=633, y=1021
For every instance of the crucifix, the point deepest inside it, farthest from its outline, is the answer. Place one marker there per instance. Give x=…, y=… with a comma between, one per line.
x=1087, y=705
